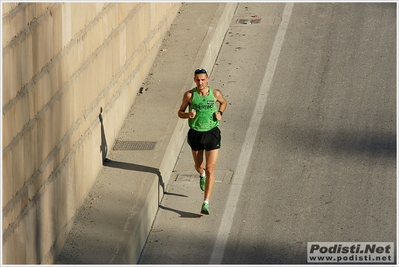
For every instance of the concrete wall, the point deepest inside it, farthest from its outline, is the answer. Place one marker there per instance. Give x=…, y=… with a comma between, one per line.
x=63, y=64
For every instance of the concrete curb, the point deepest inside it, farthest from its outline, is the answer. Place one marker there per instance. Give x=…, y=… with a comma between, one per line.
x=138, y=225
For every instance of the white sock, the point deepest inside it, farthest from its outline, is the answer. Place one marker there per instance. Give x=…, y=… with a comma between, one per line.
x=206, y=201
x=203, y=174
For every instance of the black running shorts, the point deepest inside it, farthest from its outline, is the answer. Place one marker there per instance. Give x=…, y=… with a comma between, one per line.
x=209, y=140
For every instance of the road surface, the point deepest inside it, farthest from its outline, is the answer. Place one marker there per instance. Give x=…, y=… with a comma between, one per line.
x=308, y=139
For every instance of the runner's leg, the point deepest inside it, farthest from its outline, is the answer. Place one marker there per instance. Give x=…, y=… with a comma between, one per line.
x=211, y=158
x=198, y=157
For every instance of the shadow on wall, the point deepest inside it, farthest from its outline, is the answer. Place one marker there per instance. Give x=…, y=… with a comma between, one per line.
x=135, y=167
x=124, y=165
x=103, y=146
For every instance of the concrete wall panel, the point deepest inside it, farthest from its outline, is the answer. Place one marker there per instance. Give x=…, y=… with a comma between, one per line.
x=16, y=16
x=42, y=46
x=8, y=7
x=26, y=61
x=57, y=36
x=7, y=183
x=62, y=63
x=66, y=22
x=12, y=71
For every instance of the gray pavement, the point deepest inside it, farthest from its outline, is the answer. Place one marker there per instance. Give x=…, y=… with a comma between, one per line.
x=114, y=222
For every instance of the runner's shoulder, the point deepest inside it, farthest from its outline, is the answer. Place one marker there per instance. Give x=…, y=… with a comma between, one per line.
x=216, y=92
x=188, y=94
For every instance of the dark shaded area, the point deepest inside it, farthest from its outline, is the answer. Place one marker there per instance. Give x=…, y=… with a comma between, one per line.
x=340, y=141
x=136, y=167
x=374, y=143
x=264, y=253
x=248, y=253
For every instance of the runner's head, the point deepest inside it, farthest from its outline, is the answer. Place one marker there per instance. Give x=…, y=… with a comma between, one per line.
x=201, y=78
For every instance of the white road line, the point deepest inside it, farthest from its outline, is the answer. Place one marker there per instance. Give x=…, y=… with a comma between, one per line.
x=246, y=150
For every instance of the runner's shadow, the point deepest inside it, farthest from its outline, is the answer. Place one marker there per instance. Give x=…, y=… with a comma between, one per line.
x=182, y=214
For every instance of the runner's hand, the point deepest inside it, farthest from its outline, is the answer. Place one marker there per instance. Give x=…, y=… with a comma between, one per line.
x=218, y=116
x=192, y=114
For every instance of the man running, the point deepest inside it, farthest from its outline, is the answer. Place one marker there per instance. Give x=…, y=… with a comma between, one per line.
x=204, y=135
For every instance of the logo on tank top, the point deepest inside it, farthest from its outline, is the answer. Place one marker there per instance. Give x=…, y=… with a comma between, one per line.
x=202, y=107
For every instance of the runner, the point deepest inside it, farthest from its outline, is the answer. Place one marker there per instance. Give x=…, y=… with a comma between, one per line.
x=204, y=135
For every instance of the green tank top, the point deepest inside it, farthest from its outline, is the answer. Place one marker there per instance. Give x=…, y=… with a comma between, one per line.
x=205, y=107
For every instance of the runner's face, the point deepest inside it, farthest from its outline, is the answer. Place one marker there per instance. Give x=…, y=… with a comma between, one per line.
x=201, y=80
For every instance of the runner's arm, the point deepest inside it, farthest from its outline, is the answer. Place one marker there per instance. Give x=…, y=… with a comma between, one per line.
x=222, y=101
x=185, y=103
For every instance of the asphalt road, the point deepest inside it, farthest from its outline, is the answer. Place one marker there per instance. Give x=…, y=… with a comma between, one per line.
x=309, y=139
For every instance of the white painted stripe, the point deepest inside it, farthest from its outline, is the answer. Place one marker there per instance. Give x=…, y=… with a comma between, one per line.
x=246, y=150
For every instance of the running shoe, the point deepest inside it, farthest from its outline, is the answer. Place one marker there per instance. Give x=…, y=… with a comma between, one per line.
x=205, y=208
x=202, y=182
